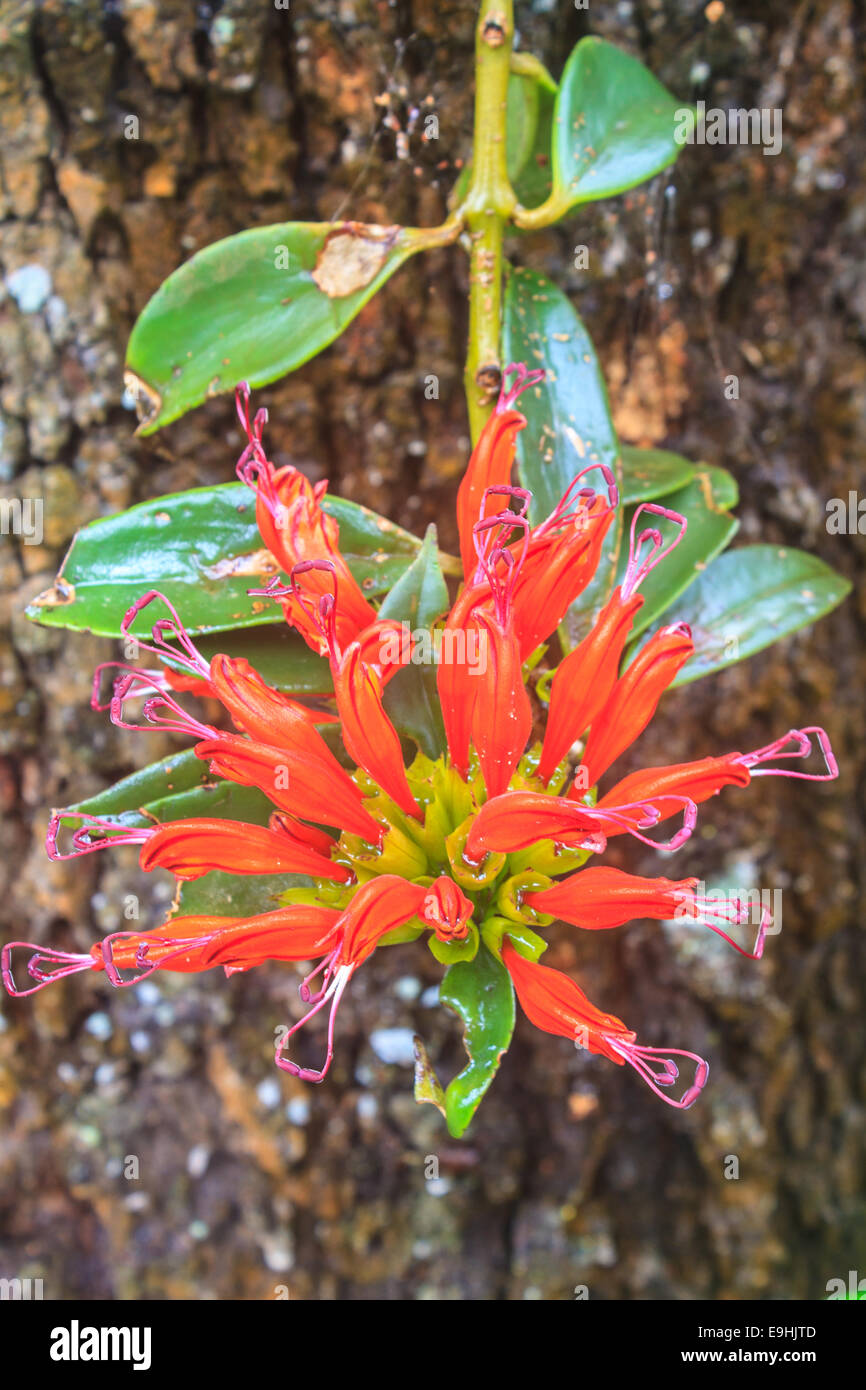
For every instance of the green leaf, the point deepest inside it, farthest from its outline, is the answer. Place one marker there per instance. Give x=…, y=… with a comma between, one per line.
x=521, y=121
x=614, y=125
x=568, y=418
x=648, y=474
x=481, y=994
x=411, y=699
x=178, y=788
x=534, y=179
x=278, y=653
x=751, y=597
x=235, y=895
x=173, y=789
x=253, y=307
x=202, y=549
x=171, y=776
x=528, y=127
x=704, y=503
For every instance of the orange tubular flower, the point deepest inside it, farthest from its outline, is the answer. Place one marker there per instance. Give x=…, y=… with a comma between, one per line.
x=561, y=559
x=633, y=700
x=187, y=945
x=467, y=843
x=585, y=679
x=237, y=670
x=267, y=715
x=368, y=734
x=597, y=899
x=698, y=781
x=491, y=463
x=555, y=1004
x=190, y=848
x=377, y=908
x=447, y=910
x=456, y=681
x=295, y=528
x=517, y=820
x=301, y=785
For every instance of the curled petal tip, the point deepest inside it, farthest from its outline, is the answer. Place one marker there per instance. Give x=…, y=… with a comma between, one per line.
x=44, y=966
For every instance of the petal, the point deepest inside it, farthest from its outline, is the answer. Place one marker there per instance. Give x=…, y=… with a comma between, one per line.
x=304, y=786
x=378, y=907
x=190, y=848
x=368, y=734
x=585, y=679
x=555, y=1004
x=606, y=897
x=489, y=466
x=634, y=699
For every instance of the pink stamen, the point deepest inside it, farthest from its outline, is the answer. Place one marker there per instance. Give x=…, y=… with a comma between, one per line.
x=802, y=750
x=81, y=842
x=334, y=993
x=322, y=612
x=658, y=1070
x=525, y=379
x=638, y=568
x=652, y=815
x=740, y=913
x=69, y=963
x=182, y=723
x=491, y=535
x=143, y=965
x=326, y=964
x=190, y=656
x=157, y=680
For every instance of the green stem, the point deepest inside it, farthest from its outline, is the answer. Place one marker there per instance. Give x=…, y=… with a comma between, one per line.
x=487, y=207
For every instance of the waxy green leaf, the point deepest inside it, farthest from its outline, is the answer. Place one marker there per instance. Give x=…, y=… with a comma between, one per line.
x=533, y=181
x=481, y=993
x=418, y=600
x=704, y=503
x=568, y=419
x=179, y=788
x=648, y=474
x=175, y=788
x=751, y=597
x=202, y=549
x=528, y=125
x=614, y=125
x=235, y=895
x=253, y=307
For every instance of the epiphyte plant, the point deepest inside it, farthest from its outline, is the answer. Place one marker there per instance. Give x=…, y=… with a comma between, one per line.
x=364, y=799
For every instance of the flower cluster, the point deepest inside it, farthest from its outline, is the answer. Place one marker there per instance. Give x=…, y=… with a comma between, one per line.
x=483, y=847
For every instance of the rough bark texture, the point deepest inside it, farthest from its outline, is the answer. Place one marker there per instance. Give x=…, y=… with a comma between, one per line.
x=736, y=263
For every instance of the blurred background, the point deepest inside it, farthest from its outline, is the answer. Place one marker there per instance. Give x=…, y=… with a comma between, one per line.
x=148, y=1147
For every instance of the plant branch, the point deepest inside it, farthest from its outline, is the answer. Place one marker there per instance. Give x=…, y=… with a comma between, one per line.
x=487, y=207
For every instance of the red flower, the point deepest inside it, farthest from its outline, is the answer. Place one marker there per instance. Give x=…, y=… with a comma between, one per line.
x=597, y=899
x=295, y=527
x=186, y=944
x=635, y=696
x=389, y=851
x=555, y=1004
